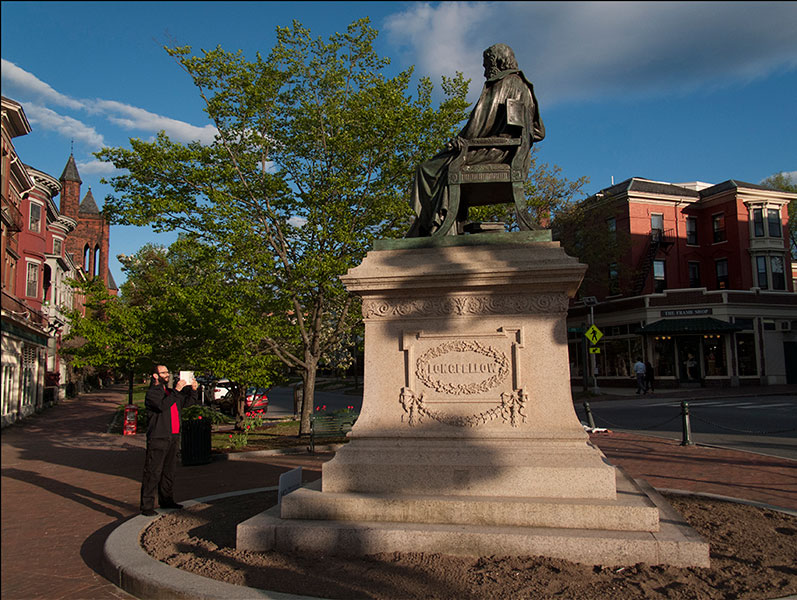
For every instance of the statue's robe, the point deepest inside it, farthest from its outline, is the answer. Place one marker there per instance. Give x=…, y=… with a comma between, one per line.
x=429, y=195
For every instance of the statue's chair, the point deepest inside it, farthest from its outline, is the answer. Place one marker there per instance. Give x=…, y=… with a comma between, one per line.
x=491, y=183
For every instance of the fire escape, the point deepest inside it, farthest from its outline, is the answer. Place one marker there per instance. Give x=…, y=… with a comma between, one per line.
x=657, y=240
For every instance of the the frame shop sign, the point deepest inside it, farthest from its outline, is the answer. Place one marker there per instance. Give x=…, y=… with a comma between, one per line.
x=687, y=312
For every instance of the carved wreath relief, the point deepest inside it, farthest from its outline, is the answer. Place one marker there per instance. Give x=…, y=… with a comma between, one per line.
x=466, y=369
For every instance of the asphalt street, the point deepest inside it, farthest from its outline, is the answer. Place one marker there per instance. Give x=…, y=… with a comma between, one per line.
x=763, y=424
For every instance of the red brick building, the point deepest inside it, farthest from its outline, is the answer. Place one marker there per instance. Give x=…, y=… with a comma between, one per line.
x=695, y=278
x=40, y=257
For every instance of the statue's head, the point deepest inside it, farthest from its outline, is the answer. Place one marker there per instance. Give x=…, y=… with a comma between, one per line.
x=497, y=58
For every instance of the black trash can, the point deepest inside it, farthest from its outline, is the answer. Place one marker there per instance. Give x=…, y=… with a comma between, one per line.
x=195, y=442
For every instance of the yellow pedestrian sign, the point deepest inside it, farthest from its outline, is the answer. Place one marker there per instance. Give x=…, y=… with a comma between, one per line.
x=594, y=334
x=595, y=350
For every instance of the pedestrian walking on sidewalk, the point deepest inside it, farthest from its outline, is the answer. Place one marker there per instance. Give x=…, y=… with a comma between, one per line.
x=639, y=371
x=650, y=377
x=164, y=406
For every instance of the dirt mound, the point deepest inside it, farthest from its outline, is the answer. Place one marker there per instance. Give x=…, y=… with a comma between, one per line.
x=753, y=556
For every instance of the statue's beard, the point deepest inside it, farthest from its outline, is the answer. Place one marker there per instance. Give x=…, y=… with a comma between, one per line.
x=491, y=72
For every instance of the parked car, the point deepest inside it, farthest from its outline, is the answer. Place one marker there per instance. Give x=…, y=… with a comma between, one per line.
x=222, y=388
x=256, y=399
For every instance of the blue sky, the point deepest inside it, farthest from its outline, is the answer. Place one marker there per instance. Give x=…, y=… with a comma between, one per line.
x=669, y=91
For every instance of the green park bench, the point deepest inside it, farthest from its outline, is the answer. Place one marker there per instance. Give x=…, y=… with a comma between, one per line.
x=330, y=426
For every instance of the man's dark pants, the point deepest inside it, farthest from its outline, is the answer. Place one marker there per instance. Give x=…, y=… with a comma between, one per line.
x=160, y=464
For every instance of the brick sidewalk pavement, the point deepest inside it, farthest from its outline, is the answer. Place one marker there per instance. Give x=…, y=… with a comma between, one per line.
x=66, y=484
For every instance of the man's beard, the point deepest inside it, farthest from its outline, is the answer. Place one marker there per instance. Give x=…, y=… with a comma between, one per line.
x=163, y=380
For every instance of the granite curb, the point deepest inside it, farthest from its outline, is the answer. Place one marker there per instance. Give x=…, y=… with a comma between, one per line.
x=129, y=566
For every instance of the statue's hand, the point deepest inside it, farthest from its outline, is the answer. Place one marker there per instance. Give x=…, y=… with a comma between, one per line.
x=456, y=143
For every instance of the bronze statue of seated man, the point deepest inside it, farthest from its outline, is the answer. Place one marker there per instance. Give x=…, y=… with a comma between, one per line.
x=493, y=149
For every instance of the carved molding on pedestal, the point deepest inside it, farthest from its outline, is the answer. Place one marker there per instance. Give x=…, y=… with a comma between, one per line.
x=507, y=304
x=511, y=410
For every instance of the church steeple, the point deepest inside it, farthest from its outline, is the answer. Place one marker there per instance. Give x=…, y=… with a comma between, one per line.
x=70, y=191
x=89, y=206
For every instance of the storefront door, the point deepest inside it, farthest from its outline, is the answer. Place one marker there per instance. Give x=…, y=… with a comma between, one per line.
x=690, y=368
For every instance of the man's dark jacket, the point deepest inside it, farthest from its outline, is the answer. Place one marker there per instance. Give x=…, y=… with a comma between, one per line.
x=165, y=407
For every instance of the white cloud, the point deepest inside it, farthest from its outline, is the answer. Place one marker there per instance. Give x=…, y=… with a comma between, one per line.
x=96, y=167
x=34, y=94
x=21, y=80
x=66, y=126
x=587, y=50
x=134, y=118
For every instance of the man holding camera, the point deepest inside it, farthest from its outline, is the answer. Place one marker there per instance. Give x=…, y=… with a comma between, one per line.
x=164, y=405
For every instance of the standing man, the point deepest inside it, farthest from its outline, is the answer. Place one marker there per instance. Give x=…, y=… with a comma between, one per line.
x=639, y=371
x=163, y=438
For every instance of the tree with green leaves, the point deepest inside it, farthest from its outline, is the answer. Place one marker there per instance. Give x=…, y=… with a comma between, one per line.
x=111, y=335
x=785, y=183
x=314, y=153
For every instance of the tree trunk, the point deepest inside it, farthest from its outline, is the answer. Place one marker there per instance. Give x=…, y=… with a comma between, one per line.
x=308, y=405
x=239, y=401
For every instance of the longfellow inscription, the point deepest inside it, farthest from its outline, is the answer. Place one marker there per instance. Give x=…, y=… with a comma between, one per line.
x=491, y=367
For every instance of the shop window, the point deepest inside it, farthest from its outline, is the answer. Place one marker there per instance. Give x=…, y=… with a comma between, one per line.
x=721, y=267
x=714, y=355
x=691, y=231
x=718, y=224
x=663, y=356
x=761, y=270
x=778, y=274
x=659, y=276
x=35, y=221
x=758, y=222
x=694, y=274
x=615, y=358
x=773, y=221
x=746, y=355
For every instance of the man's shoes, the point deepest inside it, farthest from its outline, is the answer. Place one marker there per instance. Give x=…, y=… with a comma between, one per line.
x=149, y=512
x=171, y=505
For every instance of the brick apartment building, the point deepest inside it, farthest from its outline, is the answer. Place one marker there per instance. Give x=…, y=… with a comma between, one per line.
x=39, y=249
x=696, y=279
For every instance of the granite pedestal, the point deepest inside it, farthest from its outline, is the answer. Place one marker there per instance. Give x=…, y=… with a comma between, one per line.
x=468, y=442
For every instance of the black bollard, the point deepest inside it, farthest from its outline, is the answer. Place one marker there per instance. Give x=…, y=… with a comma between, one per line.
x=590, y=420
x=686, y=426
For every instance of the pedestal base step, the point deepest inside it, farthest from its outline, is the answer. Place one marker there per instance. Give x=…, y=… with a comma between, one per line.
x=674, y=544
x=632, y=510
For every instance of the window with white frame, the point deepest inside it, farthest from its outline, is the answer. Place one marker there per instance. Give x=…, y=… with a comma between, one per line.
x=659, y=276
x=778, y=272
x=58, y=245
x=32, y=280
x=770, y=271
x=35, y=221
x=773, y=223
x=758, y=222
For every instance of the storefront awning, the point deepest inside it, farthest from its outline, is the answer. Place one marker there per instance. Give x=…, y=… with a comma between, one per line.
x=688, y=326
